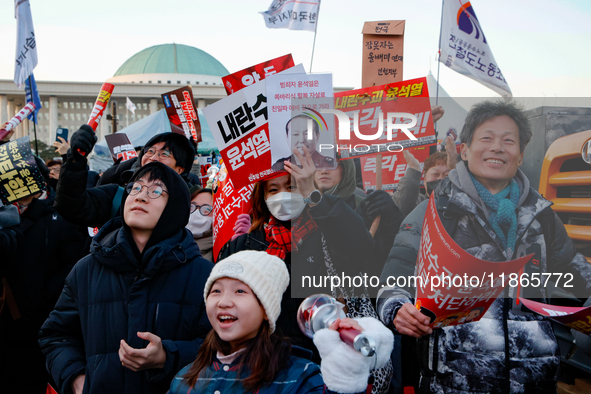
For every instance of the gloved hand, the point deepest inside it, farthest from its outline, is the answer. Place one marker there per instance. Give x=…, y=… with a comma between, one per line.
x=241, y=226
x=82, y=142
x=379, y=203
x=343, y=368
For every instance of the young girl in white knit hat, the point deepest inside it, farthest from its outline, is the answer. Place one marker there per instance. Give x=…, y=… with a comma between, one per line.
x=242, y=353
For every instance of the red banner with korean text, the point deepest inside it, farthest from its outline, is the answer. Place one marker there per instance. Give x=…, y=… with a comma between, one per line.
x=393, y=167
x=239, y=127
x=366, y=107
x=228, y=203
x=578, y=318
x=19, y=175
x=100, y=105
x=454, y=287
x=251, y=75
x=181, y=112
x=120, y=147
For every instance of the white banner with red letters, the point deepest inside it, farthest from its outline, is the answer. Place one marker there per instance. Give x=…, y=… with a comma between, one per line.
x=240, y=129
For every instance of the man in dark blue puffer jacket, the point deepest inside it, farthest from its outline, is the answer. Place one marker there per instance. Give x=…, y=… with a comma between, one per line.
x=132, y=314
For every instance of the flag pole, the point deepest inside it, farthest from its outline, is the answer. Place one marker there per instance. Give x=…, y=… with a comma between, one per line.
x=315, y=31
x=34, y=118
x=438, y=63
x=439, y=54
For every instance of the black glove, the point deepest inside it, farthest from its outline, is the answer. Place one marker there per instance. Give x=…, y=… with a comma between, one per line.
x=82, y=142
x=380, y=203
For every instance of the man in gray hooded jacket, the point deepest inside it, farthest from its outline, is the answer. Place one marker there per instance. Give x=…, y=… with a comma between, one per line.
x=509, y=349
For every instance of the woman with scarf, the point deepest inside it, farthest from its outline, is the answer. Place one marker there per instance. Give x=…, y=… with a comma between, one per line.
x=492, y=213
x=316, y=235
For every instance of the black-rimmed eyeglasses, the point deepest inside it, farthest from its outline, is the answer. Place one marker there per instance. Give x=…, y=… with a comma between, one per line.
x=204, y=209
x=154, y=191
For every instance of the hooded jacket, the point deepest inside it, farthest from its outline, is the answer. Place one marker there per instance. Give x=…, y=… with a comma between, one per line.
x=93, y=207
x=509, y=349
x=116, y=291
x=49, y=249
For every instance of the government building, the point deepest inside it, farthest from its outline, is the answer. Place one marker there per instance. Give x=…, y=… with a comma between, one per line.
x=143, y=78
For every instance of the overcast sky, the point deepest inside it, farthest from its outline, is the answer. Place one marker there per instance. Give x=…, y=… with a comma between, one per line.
x=542, y=46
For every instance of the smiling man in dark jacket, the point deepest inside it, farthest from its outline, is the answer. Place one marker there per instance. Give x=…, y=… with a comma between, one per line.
x=132, y=313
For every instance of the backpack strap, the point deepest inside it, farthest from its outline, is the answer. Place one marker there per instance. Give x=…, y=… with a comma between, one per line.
x=116, y=203
x=448, y=218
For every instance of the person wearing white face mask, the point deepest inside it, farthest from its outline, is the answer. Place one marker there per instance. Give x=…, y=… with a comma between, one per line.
x=201, y=220
x=293, y=220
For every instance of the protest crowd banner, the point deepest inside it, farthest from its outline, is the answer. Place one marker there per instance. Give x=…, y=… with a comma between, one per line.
x=19, y=175
x=367, y=107
x=454, y=287
x=181, y=113
x=228, y=203
x=578, y=318
x=239, y=124
x=120, y=147
x=292, y=15
x=393, y=167
x=464, y=49
x=243, y=78
x=383, y=48
x=291, y=95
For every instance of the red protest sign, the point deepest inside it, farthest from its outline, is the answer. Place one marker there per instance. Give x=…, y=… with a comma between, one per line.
x=454, y=287
x=393, y=167
x=228, y=203
x=243, y=78
x=181, y=112
x=100, y=105
x=578, y=318
x=383, y=108
x=120, y=147
x=241, y=132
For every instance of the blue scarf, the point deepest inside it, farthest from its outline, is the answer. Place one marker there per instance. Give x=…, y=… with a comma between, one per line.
x=502, y=206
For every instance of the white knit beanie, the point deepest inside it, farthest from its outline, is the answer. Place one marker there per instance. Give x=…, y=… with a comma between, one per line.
x=265, y=274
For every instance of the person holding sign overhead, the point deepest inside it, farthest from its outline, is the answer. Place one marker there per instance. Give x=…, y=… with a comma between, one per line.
x=488, y=208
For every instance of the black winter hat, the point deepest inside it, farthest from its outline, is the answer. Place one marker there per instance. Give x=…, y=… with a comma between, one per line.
x=176, y=213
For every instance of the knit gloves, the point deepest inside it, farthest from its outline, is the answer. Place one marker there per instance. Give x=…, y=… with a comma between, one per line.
x=344, y=369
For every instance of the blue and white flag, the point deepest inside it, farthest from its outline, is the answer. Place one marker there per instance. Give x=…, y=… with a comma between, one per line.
x=292, y=14
x=464, y=47
x=26, y=46
x=32, y=95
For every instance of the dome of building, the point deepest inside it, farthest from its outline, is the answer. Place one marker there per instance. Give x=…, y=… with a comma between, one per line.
x=171, y=64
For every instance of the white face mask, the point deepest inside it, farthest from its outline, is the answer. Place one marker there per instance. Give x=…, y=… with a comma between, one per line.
x=199, y=224
x=286, y=206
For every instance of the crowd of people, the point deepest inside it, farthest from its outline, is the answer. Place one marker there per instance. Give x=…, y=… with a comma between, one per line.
x=144, y=306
